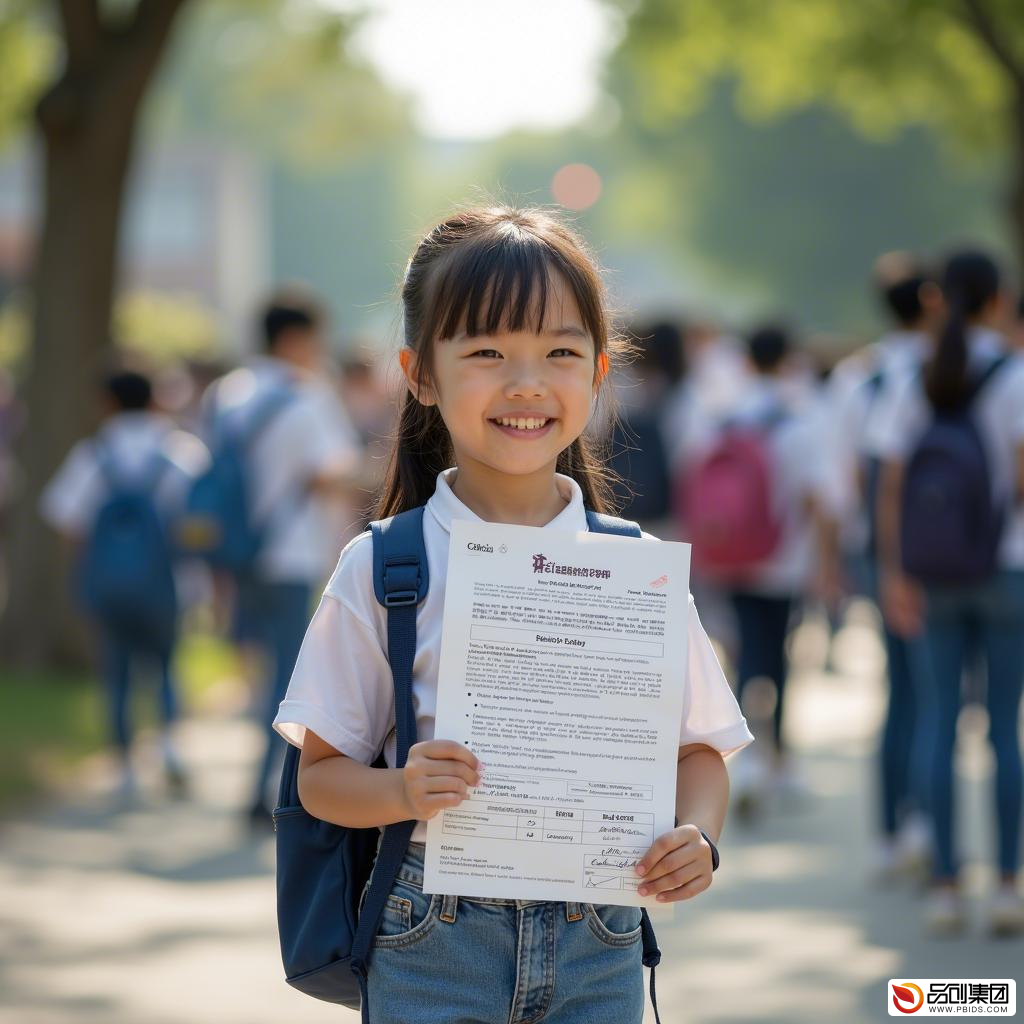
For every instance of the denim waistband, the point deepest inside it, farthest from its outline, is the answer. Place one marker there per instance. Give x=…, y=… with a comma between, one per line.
x=411, y=872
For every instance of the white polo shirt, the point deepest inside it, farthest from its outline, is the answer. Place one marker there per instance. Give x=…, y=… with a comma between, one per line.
x=851, y=401
x=904, y=414
x=342, y=687
x=309, y=436
x=72, y=498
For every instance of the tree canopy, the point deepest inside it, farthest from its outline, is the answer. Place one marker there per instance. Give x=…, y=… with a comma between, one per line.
x=950, y=64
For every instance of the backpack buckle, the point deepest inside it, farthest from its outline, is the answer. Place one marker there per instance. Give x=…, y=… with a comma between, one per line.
x=401, y=583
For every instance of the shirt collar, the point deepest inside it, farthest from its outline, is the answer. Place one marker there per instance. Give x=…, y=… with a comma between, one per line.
x=445, y=507
x=134, y=422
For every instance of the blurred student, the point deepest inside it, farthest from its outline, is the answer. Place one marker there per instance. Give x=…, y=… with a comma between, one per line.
x=298, y=452
x=907, y=293
x=639, y=455
x=952, y=548
x=115, y=498
x=757, y=521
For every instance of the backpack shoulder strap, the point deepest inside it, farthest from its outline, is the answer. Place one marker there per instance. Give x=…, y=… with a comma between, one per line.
x=108, y=471
x=400, y=583
x=988, y=373
x=266, y=411
x=598, y=522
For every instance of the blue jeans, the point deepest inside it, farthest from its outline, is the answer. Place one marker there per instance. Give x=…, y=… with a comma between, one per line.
x=276, y=616
x=903, y=757
x=465, y=960
x=992, y=614
x=762, y=623
x=122, y=652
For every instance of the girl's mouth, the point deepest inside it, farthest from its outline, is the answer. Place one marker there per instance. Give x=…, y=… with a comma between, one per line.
x=524, y=426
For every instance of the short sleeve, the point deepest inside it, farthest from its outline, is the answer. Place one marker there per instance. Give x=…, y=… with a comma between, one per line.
x=341, y=684
x=896, y=418
x=329, y=441
x=68, y=503
x=710, y=713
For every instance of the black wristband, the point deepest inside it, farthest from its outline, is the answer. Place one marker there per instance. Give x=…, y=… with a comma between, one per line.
x=714, y=849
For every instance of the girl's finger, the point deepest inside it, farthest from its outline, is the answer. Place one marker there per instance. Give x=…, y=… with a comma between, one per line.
x=458, y=768
x=671, y=880
x=673, y=861
x=431, y=803
x=446, y=784
x=449, y=750
x=686, y=892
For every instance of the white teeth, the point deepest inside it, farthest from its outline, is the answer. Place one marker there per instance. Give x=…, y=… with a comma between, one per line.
x=523, y=422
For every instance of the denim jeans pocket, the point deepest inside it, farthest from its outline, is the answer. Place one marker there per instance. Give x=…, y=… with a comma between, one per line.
x=409, y=915
x=614, y=926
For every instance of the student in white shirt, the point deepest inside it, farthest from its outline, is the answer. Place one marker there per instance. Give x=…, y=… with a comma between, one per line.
x=135, y=443
x=908, y=294
x=989, y=603
x=507, y=346
x=764, y=595
x=300, y=456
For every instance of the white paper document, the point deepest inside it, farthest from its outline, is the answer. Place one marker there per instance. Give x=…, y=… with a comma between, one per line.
x=563, y=660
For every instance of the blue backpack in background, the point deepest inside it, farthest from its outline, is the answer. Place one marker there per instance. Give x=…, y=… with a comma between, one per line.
x=218, y=524
x=126, y=570
x=322, y=868
x=951, y=522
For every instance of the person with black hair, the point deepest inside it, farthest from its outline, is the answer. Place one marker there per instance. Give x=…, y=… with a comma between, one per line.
x=908, y=295
x=301, y=452
x=770, y=436
x=136, y=449
x=951, y=535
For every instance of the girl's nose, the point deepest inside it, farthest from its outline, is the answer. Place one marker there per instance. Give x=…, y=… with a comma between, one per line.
x=525, y=384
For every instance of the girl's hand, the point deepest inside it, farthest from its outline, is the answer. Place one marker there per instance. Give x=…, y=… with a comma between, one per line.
x=677, y=866
x=438, y=774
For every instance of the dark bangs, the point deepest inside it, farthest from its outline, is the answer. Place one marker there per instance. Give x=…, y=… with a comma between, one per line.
x=500, y=281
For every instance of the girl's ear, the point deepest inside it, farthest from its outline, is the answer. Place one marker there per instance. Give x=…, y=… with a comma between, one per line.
x=601, y=370
x=422, y=392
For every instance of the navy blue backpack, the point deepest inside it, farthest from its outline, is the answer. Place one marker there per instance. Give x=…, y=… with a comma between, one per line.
x=326, y=941
x=125, y=575
x=951, y=523
x=218, y=524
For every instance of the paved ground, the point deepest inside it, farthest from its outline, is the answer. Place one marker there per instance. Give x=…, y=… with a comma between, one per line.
x=165, y=914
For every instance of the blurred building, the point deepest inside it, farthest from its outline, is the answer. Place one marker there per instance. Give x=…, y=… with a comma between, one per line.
x=196, y=222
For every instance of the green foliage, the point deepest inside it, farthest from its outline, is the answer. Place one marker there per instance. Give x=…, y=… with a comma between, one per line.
x=278, y=76
x=883, y=63
x=28, y=51
x=164, y=327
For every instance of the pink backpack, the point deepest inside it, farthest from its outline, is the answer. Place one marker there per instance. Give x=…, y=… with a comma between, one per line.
x=728, y=508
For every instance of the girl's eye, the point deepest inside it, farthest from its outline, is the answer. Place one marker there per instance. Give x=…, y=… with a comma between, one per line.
x=488, y=353
x=565, y=352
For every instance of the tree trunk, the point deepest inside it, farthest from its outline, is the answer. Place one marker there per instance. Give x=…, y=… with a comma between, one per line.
x=1016, y=190
x=87, y=123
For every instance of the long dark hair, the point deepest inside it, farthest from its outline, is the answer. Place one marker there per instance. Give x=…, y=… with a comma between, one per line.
x=483, y=270
x=969, y=282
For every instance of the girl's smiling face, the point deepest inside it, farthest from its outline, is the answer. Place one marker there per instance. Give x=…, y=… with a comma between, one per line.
x=513, y=400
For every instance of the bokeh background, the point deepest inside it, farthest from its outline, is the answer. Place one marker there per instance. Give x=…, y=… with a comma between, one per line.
x=164, y=163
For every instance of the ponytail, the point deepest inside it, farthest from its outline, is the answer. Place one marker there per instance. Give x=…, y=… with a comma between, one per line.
x=970, y=282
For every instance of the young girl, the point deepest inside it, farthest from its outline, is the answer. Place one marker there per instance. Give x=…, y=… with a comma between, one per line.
x=970, y=371
x=507, y=345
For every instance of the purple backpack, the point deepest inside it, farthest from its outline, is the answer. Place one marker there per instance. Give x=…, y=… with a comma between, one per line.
x=950, y=520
